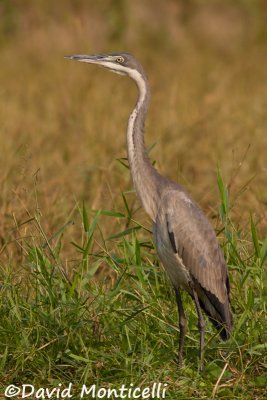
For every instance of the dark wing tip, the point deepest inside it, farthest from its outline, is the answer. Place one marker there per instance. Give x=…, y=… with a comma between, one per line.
x=225, y=334
x=222, y=318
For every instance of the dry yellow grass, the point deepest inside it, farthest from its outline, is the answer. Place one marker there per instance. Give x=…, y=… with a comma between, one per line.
x=63, y=124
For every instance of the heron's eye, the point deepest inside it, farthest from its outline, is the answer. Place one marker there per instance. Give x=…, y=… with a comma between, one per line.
x=120, y=59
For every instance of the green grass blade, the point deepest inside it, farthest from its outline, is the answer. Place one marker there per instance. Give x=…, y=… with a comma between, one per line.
x=85, y=219
x=263, y=251
x=107, y=213
x=224, y=208
x=255, y=237
x=124, y=233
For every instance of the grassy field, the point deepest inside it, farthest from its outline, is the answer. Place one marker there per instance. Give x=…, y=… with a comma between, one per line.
x=84, y=298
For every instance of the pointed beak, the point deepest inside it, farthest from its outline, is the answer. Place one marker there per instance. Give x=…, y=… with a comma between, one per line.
x=93, y=59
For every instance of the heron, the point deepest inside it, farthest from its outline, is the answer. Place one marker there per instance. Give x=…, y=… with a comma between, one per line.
x=185, y=241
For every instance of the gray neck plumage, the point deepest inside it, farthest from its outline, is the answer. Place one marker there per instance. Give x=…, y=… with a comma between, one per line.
x=145, y=177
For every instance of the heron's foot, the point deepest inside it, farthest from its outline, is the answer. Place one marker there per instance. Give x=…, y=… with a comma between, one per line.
x=201, y=360
x=201, y=365
x=179, y=359
x=201, y=327
x=180, y=362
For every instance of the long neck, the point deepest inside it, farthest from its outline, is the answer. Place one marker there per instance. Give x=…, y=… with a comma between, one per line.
x=145, y=177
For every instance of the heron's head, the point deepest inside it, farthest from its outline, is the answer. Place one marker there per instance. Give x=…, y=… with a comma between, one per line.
x=121, y=63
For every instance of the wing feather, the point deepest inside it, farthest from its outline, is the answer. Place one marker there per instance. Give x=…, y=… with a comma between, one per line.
x=190, y=252
x=194, y=240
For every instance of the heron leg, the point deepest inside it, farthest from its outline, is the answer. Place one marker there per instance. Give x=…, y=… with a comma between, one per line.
x=182, y=325
x=201, y=327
